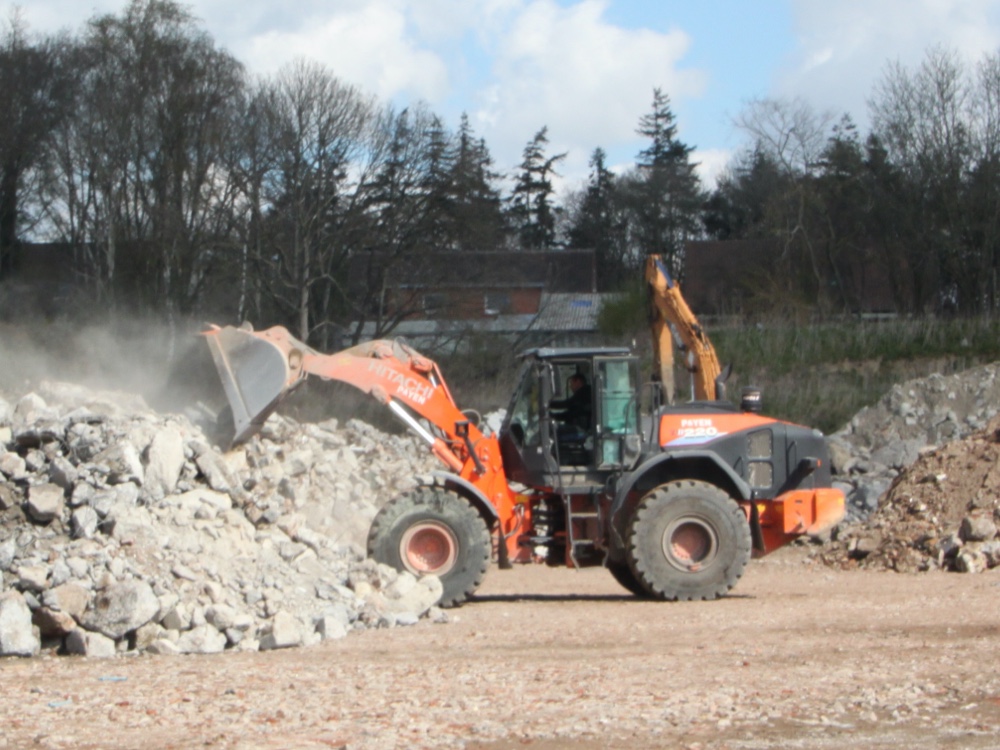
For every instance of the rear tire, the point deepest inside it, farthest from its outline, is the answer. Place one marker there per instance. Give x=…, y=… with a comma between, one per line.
x=688, y=540
x=433, y=531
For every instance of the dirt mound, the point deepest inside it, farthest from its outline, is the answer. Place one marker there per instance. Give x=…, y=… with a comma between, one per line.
x=939, y=512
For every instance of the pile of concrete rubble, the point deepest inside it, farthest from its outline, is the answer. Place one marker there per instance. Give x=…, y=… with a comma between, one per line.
x=918, y=469
x=122, y=529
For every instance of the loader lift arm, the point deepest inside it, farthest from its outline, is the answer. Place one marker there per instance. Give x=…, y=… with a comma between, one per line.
x=259, y=368
x=667, y=306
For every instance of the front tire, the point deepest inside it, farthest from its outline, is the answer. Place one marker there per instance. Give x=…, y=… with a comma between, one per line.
x=622, y=573
x=433, y=531
x=688, y=540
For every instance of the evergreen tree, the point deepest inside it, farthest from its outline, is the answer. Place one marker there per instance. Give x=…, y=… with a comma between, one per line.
x=739, y=206
x=477, y=220
x=668, y=195
x=437, y=186
x=531, y=211
x=599, y=224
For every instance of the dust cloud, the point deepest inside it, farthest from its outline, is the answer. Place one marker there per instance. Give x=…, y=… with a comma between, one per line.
x=133, y=355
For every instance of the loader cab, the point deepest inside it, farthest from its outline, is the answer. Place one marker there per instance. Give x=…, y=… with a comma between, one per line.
x=573, y=417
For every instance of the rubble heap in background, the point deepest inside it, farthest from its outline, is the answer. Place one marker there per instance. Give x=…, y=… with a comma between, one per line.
x=919, y=470
x=125, y=530
x=917, y=416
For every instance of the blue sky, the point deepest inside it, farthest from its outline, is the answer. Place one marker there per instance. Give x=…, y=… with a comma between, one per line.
x=586, y=69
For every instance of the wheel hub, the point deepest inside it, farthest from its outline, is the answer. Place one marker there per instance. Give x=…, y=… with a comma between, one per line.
x=428, y=548
x=689, y=544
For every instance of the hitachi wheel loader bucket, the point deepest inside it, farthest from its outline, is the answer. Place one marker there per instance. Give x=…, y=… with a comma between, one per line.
x=256, y=370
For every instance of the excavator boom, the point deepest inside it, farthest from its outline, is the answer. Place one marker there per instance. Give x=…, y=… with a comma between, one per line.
x=668, y=307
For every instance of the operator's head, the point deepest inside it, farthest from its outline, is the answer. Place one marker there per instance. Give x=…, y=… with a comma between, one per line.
x=576, y=381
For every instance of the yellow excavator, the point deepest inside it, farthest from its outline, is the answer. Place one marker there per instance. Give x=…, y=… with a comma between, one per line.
x=668, y=307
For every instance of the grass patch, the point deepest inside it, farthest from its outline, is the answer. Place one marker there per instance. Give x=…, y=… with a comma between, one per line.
x=823, y=374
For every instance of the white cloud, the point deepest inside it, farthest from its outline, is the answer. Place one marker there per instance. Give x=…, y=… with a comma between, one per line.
x=513, y=65
x=844, y=46
x=54, y=15
x=711, y=163
x=588, y=81
x=369, y=46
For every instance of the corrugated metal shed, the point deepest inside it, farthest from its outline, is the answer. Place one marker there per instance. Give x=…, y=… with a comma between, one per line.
x=569, y=312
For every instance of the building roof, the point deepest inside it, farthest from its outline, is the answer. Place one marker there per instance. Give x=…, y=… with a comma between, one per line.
x=569, y=312
x=422, y=328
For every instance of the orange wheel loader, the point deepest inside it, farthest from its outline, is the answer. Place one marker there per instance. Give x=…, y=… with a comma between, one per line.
x=672, y=499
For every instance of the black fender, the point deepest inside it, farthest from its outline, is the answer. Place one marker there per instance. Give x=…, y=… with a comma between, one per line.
x=705, y=466
x=466, y=489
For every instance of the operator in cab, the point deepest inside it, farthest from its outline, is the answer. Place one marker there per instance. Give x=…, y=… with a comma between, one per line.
x=574, y=410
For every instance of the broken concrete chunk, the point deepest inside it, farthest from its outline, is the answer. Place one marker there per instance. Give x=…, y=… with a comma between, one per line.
x=213, y=468
x=123, y=463
x=163, y=647
x=52, y=622
x=71, y=598
x=86, y=643
x=284, y=631
x=331, y=628
x=81, y=494
x=34, y=578
x=9, y=496
x=83, y=522
x=203, y=639
x=12, y=466
x=62, y=473
x=121, y=608
x=18, y=636
x=30, y=407
x=977, y=527
x=164, y=463
x=7, y=551
x=45, y=502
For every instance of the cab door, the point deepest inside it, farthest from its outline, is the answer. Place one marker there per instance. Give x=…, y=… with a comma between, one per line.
x=618, y=438
x=525, y=435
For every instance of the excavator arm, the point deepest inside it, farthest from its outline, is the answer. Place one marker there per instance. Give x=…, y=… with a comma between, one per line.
x=668, y=307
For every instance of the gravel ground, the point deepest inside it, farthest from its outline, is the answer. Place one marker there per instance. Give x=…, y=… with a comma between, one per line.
x=801, y=656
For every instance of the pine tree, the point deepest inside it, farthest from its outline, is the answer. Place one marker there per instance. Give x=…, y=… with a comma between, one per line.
x=668, y=196
x=437, y=184
x=476, y=205
x=599, y=224
x=531, y=211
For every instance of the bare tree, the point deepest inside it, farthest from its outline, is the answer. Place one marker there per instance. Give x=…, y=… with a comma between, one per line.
x=923, y=118
x=790, y=131
x=792, y=135
x=37, y=91
x=320, y=129
x=141, y=189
